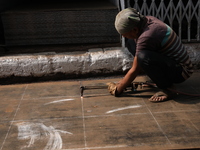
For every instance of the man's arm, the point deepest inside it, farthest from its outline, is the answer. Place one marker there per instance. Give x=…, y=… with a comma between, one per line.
x=129, y=77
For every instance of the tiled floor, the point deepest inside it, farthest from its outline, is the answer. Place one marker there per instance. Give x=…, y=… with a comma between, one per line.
x=53, y=116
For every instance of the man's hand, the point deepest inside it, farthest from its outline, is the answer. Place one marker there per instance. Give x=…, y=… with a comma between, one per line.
x=112, y=88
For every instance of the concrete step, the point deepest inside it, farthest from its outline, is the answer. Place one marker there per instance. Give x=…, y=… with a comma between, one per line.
x=67, y=65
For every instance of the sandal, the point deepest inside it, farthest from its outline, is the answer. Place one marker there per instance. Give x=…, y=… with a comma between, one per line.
x=162, y=96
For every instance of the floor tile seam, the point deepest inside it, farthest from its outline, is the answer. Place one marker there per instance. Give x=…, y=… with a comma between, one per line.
x=136, y=148
x=188, y=119
x=83, y=119
x=96, y=116
x=77, y=117
x=190, y=123
x=11, y=123
x=39, y=98
x=86, y=96
x=99, y=147
x=160, y=128
x=194, y=126
x=177, y=111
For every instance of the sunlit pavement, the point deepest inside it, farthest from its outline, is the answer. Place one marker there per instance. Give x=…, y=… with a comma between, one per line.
x=53, y=116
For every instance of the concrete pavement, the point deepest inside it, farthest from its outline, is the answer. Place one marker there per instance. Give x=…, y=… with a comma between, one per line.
x=53, y=116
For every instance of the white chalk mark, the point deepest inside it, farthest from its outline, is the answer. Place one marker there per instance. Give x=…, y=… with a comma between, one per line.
x=123, y=108
x=59, y=101
x=38, y=131
x=84, y=127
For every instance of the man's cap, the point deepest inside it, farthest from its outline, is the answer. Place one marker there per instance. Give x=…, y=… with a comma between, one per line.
x=126, y=20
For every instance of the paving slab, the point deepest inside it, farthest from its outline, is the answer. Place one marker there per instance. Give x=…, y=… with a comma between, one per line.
x=53, y=116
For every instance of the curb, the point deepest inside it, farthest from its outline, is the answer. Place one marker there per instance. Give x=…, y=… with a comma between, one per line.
x=71, y=65
x=194, y=53
x=65, y=65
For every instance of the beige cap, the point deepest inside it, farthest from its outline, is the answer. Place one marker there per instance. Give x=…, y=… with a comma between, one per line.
x=126, y=20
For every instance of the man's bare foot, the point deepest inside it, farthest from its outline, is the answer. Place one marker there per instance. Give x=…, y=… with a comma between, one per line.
x=162, y=96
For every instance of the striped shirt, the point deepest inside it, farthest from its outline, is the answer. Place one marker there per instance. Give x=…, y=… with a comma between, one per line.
x=159, y=37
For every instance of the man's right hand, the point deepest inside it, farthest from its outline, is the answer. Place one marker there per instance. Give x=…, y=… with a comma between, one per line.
x=112, y=88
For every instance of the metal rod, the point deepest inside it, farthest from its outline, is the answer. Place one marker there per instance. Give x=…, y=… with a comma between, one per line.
x=94, y=87
x=82, y=88
x=133, y=87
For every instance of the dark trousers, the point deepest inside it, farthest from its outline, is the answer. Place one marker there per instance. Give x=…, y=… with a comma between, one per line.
x=162, y=70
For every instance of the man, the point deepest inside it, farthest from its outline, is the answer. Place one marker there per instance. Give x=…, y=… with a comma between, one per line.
x=159, y=53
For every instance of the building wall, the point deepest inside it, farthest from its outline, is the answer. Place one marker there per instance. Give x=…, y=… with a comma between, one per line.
x=9, y=4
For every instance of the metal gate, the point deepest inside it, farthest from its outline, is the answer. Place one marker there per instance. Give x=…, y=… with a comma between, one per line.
x=182, y=15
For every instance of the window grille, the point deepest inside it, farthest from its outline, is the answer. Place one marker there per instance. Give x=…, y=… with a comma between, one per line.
x=182, y=15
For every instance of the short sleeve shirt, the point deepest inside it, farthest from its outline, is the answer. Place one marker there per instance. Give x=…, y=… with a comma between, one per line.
x=159, y=37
